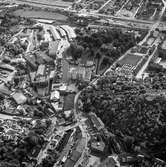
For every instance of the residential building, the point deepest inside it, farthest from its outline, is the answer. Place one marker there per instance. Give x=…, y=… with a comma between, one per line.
x=53, y=48
x=97, y=147
x=162, y=48
x=40, y=70
x=110, y=162
x=70, y=162
x=7, y=67
x=97, y=123
x=61, y=32
x=54, y=33
x=68, y=102
x=55, y=95
x=69, y=31
x=4, y=90
x=44, y=57
x=19, y=97
x=31, y=61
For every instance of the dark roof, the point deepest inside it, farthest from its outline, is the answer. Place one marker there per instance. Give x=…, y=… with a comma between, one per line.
x=75, y=156
x=69, y=102
x=35, y=152
x=80, y=165
x=85, y=56
x=65, y=70
x=69, y=163
x=109, y=162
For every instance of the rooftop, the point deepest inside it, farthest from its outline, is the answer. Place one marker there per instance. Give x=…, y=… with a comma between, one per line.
x=19, y=97
x=40, y=70
x=109, y=162
x=99, y=146
x=96, y=121
x=75, y=156
x=163, y=46
x=53, y=48
x=4, y=89
x=69, y=163
x=69, y=102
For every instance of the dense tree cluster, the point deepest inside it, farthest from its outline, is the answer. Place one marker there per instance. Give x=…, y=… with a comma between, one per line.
x=155, y=68
x=10, y=25
x=49, y=160
x=105, y=45
x=119, y=40
x=132, y=110
x=17, y=153
x=157, y=77
x=14, y=49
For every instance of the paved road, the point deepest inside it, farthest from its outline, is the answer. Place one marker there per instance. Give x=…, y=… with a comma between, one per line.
x=30, y=41
x=4, y=116
x=119, y=11
x=104, y=5
x=140, y=5
x=120, y=18
x=39, y=4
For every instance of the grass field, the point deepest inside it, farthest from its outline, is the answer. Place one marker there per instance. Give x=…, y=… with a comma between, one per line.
x=130, y=59
x=49, y=3
x=40, y=14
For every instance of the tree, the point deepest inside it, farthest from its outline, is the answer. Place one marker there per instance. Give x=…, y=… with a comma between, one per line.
x=153, y=67
x=75, y=51
x=33, y=140
x=125, y=107
x=82, y=85
x=48, y=161
x=39, y=37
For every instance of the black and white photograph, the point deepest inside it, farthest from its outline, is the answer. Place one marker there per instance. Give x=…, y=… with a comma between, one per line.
x=82, y=83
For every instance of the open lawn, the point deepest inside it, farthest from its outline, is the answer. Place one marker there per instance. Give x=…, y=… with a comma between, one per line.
x=49, y=3
x=130, y=59
x=40, y=14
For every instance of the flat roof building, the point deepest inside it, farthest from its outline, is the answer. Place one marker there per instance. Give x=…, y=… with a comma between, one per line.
x=65, y=70
x=19, y=97
x=53, y=48
x=109, y=162
x=7, y=67
x=98, y=146
x=4, y=89
x=69, y=30
x=55, y=95
x=69, y=163
x=31, y=61
x=61, y=31
x=54, y=32
x=97, y=123
x=69, y=102
x=75, y=156
x=40, y=70
x=163, y=45
x=45, y=58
